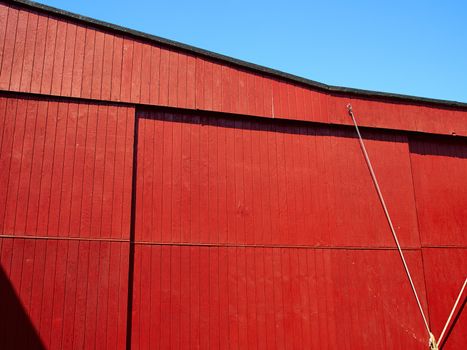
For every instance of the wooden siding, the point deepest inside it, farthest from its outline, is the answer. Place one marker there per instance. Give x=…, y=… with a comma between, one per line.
x=48, y=55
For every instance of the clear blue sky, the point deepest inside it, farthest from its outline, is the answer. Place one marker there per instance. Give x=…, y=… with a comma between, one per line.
x=408, y=47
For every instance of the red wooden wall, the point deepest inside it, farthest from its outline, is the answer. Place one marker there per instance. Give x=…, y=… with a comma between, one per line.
x=244, y=216
x=48, y=54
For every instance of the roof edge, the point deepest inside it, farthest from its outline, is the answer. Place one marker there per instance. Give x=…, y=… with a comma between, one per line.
x=240, y=63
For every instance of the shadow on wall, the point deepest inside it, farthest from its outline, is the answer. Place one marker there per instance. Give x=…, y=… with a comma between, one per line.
x=16, y=329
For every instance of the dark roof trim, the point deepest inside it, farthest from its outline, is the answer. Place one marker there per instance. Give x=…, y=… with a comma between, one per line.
x=240, y=63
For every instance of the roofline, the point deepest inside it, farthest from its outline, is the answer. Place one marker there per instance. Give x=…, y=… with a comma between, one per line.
x=240, y=63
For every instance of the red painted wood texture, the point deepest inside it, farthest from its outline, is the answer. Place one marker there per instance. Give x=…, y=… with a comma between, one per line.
x=274, y=298
x=446, y=270
x=248, y=232
x=66, y=171
x=66, y=168
x=50, y=55
x=73, y=294
x=439, y=168
x=205, y=179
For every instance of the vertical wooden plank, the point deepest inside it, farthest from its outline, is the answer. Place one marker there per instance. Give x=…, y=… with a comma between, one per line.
x=70, y=294
x=13, y=159
x=166, y=216
x=278, y=299
x=234, y=325
x=107, y=67
x=29, y=52
x=217, y=87
x=176, y=179
x=49, y=55
x=97, y=65
x=47, y=288
x=53, y=228
x=185, y=286
x=119, y=175
x=88, y=62
x=102, y=286
x=290, y=327
x=259, y=96
x=117, y=68
x=99, y=171
x=68, y=60
x=88, y=171
x=3, y=26
x=112, y=325
x=36, y=171
x=239, y=183
x=175, y=307
x=139, y=190
x=165, y=275
x=155, y=75
x=297, y=308
x=185, y=205
x=156, y=166
x=208, y=85
x=304, y=286
x=243, y=92
x=128, y=168
x=222, y=215
x=68, y=170
x=92, y=285
x=250, y=201
x=251, y=306
x=224, y=334
x=78, y=61
x=46, y=167
x=136, y=298
x=276, y=199
x=230, y=181
x=18, y=55
x=78, y=180
x=108, y=205
x=199, y=83
x=182, y=81
x=146, y=73
x=164, y=77
x=172, y=75
x=212, y=226
x=59, y=57
x=190, y=82
x=8, y=48
x=38, y=55
x=155, y=299
x=214, y=317
x=127, y=68
x=25, y=168
x=136, y=72
x=242, y=306
x=234, y=90
x=78, y=335
x=143, y=296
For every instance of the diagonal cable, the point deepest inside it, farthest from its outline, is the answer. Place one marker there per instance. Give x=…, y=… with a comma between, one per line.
x=432, y=342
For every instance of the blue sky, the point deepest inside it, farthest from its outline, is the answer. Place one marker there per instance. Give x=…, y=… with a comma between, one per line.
x=409, y=47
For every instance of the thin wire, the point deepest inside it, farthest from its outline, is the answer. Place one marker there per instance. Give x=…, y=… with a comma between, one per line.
x=452, y=312
x=388, y=217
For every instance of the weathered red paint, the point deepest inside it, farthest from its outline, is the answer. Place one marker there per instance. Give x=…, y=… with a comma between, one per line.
x=244, y=216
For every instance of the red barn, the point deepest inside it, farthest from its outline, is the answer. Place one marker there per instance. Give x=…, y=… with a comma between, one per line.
x=155, y=195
